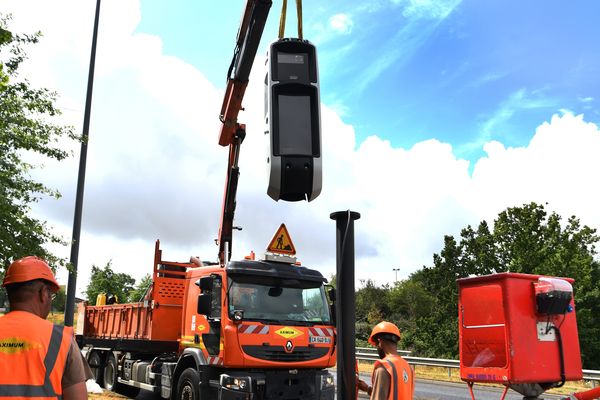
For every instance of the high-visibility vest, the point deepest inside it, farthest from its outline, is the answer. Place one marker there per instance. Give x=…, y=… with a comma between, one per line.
x=401, y=377
x=33, y=354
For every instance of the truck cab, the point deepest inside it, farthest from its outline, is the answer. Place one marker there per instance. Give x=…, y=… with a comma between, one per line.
x=263, y=327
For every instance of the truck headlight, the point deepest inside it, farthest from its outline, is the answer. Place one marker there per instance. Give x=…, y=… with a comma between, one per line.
x=240, y=383
x=238, y=315
x=327, y=381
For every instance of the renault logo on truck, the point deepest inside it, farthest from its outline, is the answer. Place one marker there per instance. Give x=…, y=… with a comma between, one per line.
x=289, y=346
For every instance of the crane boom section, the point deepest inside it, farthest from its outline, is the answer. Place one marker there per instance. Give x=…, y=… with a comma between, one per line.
x=232, y=133
x=249, y=35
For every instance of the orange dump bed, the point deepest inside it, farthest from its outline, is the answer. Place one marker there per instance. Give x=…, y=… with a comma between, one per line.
x=158, y=317
x=126, y=321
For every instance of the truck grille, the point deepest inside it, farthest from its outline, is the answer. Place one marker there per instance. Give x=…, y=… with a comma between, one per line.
x=277, y=353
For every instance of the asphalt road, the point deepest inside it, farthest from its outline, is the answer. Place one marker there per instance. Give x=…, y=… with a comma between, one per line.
x=427, y=390
x=432, y=390
x=435, y=390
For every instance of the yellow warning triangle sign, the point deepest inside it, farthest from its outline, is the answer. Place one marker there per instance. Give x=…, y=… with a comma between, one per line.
x=282, y=242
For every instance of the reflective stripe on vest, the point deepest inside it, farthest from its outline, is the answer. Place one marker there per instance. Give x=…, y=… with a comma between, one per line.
x=394, y=378
x=401, y=377
x=45, y=390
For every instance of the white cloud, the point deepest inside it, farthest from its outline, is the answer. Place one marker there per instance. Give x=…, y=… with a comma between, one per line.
x=428, y=9
x=558, y=166
x=341, y=23
x=155, y=169
x=587, y=102
x=520, y=100
x=486, y=78
x=422, y=18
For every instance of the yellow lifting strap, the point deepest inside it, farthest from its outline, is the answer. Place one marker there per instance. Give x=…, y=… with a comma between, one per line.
x=283, y=17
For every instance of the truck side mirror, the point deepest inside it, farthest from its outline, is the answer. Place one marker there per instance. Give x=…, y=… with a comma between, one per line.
x=204, y=303
x=331, y=293
x=205, y=283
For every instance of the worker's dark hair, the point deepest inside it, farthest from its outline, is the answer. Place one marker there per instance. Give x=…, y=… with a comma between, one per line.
x=389, y=337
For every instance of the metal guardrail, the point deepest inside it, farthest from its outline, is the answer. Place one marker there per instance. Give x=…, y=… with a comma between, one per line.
x=591, y=375
x=370, y=354
x=372, y=351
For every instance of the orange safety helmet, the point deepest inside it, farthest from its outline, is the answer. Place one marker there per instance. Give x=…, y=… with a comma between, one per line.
x=28, y=269
x=383, y=327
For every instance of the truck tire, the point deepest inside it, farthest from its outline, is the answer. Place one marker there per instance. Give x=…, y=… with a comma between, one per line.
x=188, y=386
x=110, y=373
x=110, y=379
x=95, y=363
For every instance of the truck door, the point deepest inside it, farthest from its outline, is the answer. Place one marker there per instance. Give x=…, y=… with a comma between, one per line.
x=209, y=304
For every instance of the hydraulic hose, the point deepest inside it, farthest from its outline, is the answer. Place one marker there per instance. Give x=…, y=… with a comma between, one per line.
x=561, y=355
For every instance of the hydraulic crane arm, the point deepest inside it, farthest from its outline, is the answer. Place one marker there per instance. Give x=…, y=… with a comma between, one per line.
x=232, y=133
x=248, y=39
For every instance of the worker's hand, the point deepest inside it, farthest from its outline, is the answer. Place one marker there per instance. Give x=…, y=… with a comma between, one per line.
x=362, y=385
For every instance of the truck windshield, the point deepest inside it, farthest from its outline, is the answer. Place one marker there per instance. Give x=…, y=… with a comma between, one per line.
x=279, y=300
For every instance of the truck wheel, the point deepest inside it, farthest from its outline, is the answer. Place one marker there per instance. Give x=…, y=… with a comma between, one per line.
x=110, y=373
x=111, y=382
x=188, y=386
x=95, y=363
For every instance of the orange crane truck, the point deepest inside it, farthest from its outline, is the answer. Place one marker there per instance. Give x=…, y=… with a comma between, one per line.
x=249, y=330
x=228, y=330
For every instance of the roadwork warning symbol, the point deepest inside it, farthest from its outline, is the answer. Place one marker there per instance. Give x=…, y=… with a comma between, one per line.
x=281, y=242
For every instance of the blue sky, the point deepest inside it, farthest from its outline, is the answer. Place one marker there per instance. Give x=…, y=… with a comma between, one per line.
x=463, y=72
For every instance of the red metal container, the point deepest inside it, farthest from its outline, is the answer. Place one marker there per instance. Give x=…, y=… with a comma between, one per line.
x=505, y=338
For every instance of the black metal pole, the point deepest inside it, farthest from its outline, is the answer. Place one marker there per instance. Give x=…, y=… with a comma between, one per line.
x=345, y=303
x=70, y=306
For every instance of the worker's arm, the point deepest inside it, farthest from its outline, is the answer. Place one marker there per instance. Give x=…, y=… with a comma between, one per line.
x=77, y=391
x=381, y=384
x=362, y=385
x=77, y=371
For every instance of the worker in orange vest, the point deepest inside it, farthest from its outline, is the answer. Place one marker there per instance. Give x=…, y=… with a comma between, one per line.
x=37, y=358
x=393, y=378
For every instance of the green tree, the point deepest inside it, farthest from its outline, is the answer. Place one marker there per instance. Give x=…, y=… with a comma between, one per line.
x=556, y=249
x=105, y=280
x=436, y=334
x=371, y=304
x=588, y=319
x=409, y=301
x=526, y=240
x=140, y=290
x=332, y=280
x=371, y=308
x=26, y=126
